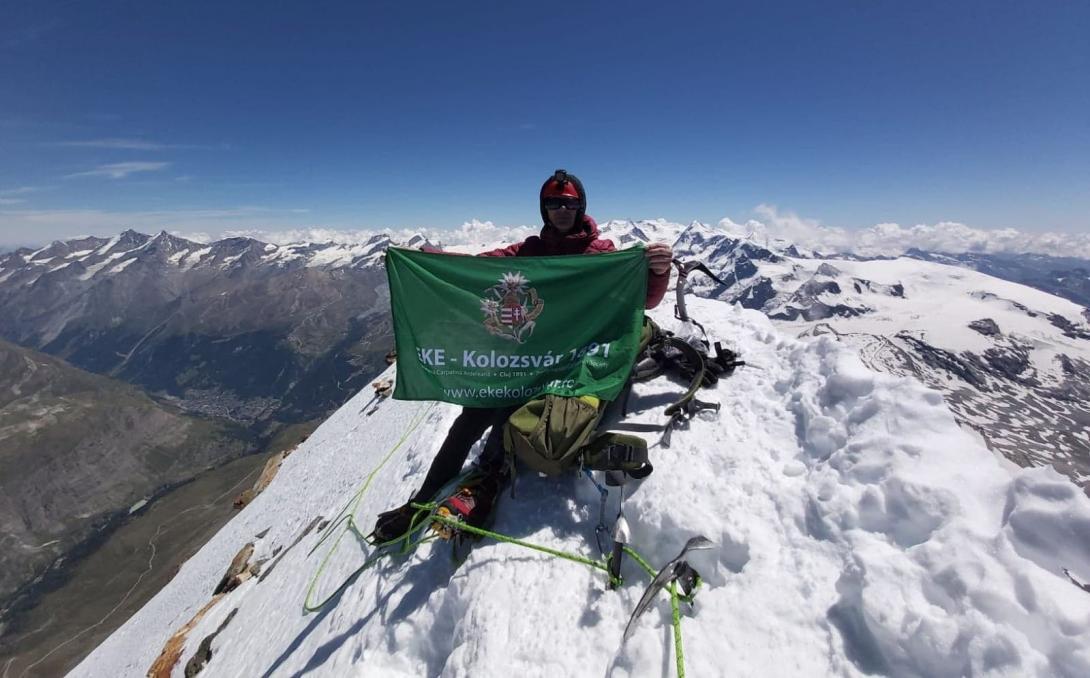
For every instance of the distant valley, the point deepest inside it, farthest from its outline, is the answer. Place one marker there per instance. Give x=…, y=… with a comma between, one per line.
x=77, y=450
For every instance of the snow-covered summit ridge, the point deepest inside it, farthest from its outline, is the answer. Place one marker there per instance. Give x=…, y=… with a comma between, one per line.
x=1012, y=361
x=859, y=530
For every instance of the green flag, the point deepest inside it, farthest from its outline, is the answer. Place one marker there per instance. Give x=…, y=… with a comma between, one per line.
x=498, y=331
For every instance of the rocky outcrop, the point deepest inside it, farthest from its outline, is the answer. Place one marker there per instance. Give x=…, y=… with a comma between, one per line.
x=271, y=468
x=985, y=326
x=1069, y=329
x=172, y=651
x=238, y=571
x=203, y=654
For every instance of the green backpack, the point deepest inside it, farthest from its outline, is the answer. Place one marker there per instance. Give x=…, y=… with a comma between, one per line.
x=552, y=434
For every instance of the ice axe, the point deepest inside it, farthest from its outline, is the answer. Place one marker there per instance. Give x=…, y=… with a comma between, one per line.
x=676, y=570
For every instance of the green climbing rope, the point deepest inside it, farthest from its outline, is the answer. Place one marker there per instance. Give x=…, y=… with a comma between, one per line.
x=675, y=608
x=596, y=564
x=425, y=515
x=347, y=515
x=675, y=598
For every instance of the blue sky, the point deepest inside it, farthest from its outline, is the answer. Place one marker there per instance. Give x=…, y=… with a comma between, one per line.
x=211, y=116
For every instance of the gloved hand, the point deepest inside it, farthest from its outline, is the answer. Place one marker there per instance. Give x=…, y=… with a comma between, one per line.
x=659, y=256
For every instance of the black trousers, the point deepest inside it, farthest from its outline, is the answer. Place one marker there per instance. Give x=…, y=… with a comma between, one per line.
x=464, y=433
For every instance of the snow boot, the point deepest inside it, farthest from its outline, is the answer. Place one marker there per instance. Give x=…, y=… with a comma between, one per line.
x=392, y=524
x=471, y=503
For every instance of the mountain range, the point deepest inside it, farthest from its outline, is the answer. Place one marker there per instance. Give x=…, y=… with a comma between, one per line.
x=238, y=329
x=199, y=325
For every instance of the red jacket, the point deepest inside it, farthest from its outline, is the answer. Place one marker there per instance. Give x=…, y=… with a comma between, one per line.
x=584, y=240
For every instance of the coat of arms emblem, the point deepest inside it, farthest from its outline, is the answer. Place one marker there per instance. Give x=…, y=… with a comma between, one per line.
x=511, y=308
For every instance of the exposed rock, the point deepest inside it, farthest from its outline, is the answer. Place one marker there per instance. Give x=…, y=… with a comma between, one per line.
x=1070, y=329
x=383, y=387
x=237, y=571
x=816, y=310
x=299, y=538
x=985, y=326
x=828, y=269
x=204, y=650
x=1076, y=582
x=946, y=360
x=894, y=290
x=1010, y=362
x=758, y=295
x=243, y=499
x=813, y=288
x=172, y=651
x=272, y=467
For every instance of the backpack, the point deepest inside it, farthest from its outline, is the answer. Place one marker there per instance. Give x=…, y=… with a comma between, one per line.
x=552, y=434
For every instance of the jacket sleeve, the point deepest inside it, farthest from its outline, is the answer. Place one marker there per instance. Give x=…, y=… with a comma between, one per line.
x=656, y=287
x=509, y=251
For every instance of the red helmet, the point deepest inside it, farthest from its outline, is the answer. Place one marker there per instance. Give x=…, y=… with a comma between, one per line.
x=561, y=183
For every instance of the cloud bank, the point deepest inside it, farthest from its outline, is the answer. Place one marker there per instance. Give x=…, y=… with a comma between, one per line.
x=893, y=239
x=469, y=234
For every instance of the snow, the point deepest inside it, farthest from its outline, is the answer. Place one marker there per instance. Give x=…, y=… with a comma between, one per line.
x=95, y=268
x=177, y=257
x=123, y=265
x=938, y=303
x=227, y=261
x=336, y=255
x=194, y=258
x=109, y=245
x=859, y=530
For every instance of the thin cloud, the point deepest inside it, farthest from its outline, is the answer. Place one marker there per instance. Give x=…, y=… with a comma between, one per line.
x=123, y=144
x=120, y=170
x=21, y=190
x=131, y=144
x=6, y=194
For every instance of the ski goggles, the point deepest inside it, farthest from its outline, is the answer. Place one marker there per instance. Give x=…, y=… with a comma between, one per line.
x=560, y=202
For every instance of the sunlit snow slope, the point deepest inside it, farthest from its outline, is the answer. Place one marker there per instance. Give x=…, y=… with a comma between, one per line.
x=858, y=531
